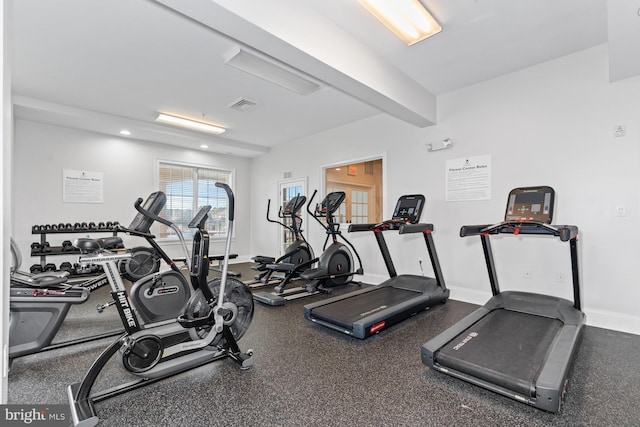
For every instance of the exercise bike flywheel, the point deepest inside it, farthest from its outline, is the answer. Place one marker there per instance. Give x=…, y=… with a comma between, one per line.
x=237, y=298
x=142, y=354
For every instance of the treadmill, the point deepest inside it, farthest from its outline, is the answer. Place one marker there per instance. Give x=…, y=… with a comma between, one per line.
x=519, y=344
x=365, y=312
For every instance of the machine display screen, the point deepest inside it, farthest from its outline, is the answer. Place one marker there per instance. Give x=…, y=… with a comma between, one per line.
x=154, y=204
x=409, y=208
x=332, y=202
x=530, y=204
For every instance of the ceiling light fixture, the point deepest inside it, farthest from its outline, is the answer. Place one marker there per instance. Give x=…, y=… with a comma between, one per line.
x=408, y=19
x=125, y=132
x=204, y=146
x=190, y=124
x=269, y=70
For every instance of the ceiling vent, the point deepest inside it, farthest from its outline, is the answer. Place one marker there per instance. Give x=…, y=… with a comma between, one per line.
x=243, y=105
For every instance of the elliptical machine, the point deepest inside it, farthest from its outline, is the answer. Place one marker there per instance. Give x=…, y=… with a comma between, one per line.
x=217, y=315
x=299, y=252
x=335, y=264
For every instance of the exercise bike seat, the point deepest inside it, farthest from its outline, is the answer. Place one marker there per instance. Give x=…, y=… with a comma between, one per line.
x=46, y=279
x=87, y=245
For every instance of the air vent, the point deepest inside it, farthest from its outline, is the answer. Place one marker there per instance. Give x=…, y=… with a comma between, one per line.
x=243, y=105
x=287, y=175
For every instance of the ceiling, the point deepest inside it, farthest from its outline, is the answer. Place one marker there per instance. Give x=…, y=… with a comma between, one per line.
x=104, y=66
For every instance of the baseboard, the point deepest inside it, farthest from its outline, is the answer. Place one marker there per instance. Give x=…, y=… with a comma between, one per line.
x=241, y=259
x=614, y=321
x=469, y=295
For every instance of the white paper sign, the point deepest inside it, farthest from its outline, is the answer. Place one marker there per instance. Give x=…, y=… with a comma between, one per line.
x=82, y=186
x=469, y=178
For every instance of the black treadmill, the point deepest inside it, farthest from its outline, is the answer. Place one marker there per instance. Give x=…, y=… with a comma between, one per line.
x=519, y=344
x=365, y=312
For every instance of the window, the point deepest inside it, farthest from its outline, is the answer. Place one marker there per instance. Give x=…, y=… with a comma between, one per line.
x=188, y=188
x=288, y=192
x=362, y=184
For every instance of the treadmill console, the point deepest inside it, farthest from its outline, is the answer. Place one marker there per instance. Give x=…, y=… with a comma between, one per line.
x=408, y=209
x=530, y=204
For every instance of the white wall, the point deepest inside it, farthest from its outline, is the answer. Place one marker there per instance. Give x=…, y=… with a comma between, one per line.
x=551, y=124
x=6, y=140
x=42, y=152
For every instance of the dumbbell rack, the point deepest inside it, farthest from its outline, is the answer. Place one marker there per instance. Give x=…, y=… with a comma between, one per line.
x=78, y=228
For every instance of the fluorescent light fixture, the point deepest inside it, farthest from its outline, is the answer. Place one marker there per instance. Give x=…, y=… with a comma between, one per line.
x=190, y=124
x=125, y=132
x=204, y=146
x=271, y=71
x=408, y=19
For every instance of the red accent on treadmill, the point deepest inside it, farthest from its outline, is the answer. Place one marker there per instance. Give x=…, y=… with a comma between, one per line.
x=516, y=231
x=377, y=327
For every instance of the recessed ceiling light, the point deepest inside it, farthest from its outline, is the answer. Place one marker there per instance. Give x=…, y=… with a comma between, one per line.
x=204, y=146
x=125, y=132
x=189, y=123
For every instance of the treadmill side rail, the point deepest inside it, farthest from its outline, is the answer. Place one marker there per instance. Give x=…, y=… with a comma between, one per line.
x=551, y=383
x=431, y=347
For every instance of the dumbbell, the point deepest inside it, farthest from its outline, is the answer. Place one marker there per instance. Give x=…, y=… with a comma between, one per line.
x=67, y=246
x=77, y=226
x=46, y=247
x=36, y=247
x=101, y=226
x=50, y=267
x=35, y=268
x=62, y=226
x=35, y=229
x=66, y=266
x=92, y=226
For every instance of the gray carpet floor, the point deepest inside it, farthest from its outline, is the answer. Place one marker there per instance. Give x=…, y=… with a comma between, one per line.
x=307, y=375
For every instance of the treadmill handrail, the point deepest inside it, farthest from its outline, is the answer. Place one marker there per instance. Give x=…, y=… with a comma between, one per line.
x=564, y=232
x=402, y=227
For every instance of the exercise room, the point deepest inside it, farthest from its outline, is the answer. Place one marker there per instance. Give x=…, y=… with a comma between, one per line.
x=284, y=213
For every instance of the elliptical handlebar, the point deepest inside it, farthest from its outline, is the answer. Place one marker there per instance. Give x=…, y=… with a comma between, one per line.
x=279, y=216
x=314, y=214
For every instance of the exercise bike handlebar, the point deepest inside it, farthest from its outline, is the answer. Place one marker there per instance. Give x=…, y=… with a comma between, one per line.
x=230, y=196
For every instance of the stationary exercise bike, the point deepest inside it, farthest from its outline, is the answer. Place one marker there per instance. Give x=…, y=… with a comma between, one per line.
x=216, y=316
x=299, y=252
x=39, y=303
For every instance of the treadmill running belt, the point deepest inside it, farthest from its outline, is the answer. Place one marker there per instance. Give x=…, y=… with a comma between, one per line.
x=347, y=311
x=505, y=348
